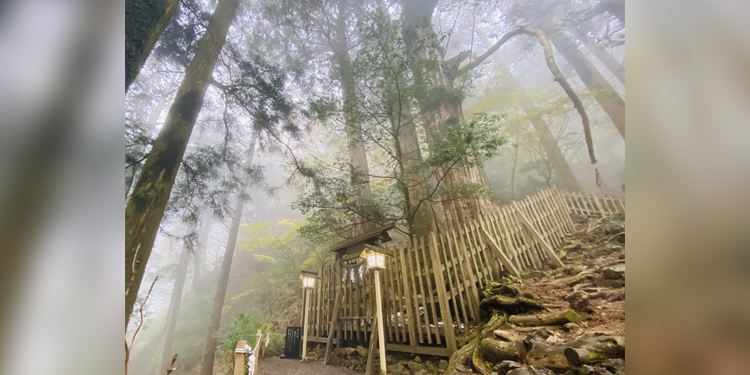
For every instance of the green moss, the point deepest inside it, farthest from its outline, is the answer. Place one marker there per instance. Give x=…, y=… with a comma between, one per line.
x=573, y=316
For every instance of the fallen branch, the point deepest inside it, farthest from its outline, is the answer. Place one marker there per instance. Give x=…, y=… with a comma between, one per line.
x=171, y=365
x=132, y=340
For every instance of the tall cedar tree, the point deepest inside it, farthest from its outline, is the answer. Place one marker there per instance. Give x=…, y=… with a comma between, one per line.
x=146, y=206
x=439, y=100
x=145, y=21
x=212, y=339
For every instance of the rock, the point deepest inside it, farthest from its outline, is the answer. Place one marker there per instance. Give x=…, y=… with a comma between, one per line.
x=613, y=273
x=622, y=256
x=363, y=351
x=443, y=365
x=351, y=352
x=414, y=366
x=418, y=359
x=614, y=365
x=542, y=355
x=396, y=369
x=461, y=369
x=579, y=301
x=572, y=327
x=562, y=255
x=505, y=366
x=389, y=359
x=518, y=371
x=540, y=371
x=312, y=355
x=421, y=372
x=339, y=352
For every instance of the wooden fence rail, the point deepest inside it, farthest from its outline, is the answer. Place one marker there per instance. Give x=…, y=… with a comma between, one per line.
x=592, y=204
x=431, y=285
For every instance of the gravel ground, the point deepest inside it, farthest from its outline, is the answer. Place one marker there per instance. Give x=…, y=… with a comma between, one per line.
x=278, y=366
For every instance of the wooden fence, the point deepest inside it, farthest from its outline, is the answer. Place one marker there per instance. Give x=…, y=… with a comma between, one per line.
x=431, y=285
x=592, y=204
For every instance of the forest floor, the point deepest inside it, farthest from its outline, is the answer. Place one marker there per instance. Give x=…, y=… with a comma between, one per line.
x=278, y=366
x=592, y=285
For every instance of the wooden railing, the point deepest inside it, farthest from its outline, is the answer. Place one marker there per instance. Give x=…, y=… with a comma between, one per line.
x=431, y=285
x=240, y=354
x=593, y=205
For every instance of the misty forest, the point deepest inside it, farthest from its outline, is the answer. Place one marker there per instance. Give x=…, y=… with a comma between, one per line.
x=477, y=148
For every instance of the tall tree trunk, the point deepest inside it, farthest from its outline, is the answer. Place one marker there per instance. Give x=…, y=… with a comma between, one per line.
x=173, y=312
x=199, y=263
x=422, y=213
x=614, y=66
x=439, y=101
x=209, y=352
x=358, y=164
x=564, y=175
x=418, y=209
x=145, y=21
x=145, y=208
x=603, y=92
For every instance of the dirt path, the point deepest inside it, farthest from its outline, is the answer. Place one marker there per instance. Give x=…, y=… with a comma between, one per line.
x=278, y=366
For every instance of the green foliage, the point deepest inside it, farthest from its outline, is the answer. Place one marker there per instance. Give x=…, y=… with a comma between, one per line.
x=245, y=327
x=468, y=143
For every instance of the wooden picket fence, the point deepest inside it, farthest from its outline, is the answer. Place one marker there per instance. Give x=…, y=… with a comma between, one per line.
x=593, y=205
x=431, y=285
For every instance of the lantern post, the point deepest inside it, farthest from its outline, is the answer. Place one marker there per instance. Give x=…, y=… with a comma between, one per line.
x=375, y=257
x=308, y=283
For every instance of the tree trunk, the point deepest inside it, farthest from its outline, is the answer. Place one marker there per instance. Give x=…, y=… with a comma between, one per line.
x=565, y=178
x=439, y=101
x=603, y=92
x=199, y=264
x=418, y=210
x=173, y=312
x=145, y=208
x=145, y=21
x=614, y=66
x=212, y=339
x=358, y=164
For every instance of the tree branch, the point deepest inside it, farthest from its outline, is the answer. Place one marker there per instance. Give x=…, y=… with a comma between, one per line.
x=550, y=59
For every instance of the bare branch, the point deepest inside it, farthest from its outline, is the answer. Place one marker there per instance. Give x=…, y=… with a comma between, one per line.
x=132, y=340
x=550, y=59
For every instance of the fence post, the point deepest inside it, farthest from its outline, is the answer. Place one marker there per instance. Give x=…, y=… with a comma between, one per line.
x=239, y=358
x=256, y=352
x=445, y=309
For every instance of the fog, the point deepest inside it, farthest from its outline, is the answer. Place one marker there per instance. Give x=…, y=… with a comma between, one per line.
x=61, y=170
